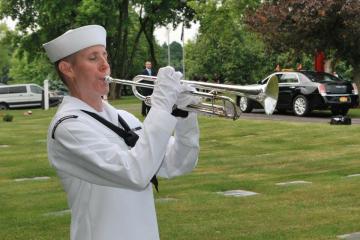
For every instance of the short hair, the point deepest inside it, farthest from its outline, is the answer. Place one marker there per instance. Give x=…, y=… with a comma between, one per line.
x=69, y=59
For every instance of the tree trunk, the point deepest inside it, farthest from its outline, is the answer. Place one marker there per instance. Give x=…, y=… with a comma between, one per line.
x=135, y=45
x=124, y=45
x=119, y=60
x=149, y=34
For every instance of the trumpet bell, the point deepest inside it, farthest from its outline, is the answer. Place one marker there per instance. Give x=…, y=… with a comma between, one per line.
x=268, y=96
x=272, y=93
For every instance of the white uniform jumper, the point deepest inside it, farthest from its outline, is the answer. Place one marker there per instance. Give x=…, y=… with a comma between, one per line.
x=106, y=181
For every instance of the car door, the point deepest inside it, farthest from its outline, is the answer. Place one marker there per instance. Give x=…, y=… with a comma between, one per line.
x=17, y=95
x=288, y=85
x=4, y=95
x=35, y=94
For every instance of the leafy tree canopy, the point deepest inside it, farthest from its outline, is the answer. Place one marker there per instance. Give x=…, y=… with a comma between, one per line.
x=303, y=25
x=176, y=54
x=125, y=21
x=5, y=54
x=224, y=50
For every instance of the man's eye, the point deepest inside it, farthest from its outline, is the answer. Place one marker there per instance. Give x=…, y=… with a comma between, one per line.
x=92, y=58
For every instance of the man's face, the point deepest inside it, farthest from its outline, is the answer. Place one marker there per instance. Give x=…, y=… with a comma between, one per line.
x=148, y=65
x=88, y=69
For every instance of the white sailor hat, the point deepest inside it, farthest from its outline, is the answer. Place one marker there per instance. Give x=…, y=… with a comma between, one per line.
x=75, y=40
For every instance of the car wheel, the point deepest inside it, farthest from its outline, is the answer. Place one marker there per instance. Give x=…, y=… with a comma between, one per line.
x=301, y=106
x=245, y=105
x=339, y=111
x=3, y=106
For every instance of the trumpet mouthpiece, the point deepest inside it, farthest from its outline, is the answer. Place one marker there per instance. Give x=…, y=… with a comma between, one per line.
x=108, y=79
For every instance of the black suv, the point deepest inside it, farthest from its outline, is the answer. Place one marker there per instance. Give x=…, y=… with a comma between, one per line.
x=304, y=91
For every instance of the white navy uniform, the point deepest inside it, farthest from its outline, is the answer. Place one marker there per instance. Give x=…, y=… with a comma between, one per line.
x=107, y=182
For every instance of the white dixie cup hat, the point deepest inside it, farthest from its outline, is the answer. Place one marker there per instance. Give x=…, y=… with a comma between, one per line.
x=75, y=40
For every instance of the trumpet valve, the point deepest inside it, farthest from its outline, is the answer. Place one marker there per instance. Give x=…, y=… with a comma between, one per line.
x=147, y=100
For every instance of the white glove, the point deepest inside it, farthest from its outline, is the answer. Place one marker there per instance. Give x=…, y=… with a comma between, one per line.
x=185, y=99
x=167, y=89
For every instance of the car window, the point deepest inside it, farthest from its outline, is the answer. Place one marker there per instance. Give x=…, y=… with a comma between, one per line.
x=17, y=89
x=288, y=78
x=4, y=90
x=35, y=89
x=321, y=77
x=264, y=81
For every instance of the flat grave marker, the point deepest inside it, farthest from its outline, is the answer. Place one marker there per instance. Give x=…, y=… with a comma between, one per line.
x=238, y=193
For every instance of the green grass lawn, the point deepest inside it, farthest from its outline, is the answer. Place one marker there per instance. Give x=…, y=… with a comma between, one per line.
x=251, y=155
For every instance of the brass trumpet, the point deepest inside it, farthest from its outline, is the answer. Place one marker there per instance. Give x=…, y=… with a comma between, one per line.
x=266, y=95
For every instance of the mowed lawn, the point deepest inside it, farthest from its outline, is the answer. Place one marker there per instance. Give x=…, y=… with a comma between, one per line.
x=249, y=155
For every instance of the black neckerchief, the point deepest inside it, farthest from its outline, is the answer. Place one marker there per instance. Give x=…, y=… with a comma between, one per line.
x=129, y=136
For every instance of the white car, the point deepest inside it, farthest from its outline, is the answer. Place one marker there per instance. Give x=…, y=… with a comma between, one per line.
x=22, y=96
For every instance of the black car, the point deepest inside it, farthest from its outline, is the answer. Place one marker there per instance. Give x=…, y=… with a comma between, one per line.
x=304, y=91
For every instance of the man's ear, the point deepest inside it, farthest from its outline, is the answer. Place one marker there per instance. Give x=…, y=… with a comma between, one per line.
x=65, y=68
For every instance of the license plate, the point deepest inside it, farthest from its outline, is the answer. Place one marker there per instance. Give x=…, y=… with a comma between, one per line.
x=343, y=99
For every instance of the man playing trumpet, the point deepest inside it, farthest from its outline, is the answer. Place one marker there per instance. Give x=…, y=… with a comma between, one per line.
x=106, y=157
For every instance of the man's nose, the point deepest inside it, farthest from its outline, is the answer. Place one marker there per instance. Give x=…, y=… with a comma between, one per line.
x=104, y=65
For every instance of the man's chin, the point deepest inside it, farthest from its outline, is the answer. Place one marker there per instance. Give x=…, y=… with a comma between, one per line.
x=106, y=92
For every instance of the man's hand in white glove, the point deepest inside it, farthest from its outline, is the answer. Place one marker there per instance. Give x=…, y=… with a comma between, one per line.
x=166, y=89
x=185, y=99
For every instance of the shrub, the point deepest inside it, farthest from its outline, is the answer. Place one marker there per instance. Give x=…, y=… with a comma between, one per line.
x=8, y=118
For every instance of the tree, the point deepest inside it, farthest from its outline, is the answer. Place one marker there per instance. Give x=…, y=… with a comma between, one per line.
x=161, y=13
x=40, y=21
x=5, y=54
x=49, y=19
x=302, y=25
x=35, y=71
x=176, y=53
x=223, y=50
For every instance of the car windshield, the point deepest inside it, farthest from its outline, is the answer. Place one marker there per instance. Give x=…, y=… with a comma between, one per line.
x=321, y=77
x=36, y=89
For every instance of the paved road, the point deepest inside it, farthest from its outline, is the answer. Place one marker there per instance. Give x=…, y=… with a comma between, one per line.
x=323, y=117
